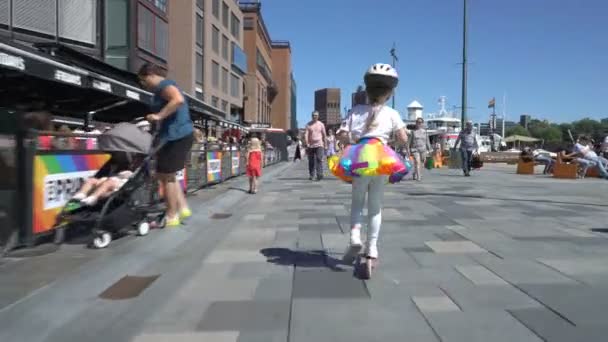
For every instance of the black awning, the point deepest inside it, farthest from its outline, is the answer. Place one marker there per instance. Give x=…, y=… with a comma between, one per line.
x=63, y=70
x=30, y=79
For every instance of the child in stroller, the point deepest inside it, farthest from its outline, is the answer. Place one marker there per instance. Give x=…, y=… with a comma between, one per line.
x=115, y=174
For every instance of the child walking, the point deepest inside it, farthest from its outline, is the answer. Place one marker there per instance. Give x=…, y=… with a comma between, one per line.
x=371, y=125
x=254, y=163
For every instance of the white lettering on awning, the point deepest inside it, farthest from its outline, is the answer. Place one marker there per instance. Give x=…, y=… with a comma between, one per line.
x=12, y=61
x=67, y=77
x=133, y=95
x=105, y=86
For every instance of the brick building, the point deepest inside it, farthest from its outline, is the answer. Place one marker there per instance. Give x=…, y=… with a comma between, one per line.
x=327, y=103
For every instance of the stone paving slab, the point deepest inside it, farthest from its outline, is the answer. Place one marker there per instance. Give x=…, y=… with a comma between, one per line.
x=493, y=257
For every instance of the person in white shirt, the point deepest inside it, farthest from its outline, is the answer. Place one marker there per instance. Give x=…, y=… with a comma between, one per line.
x=371, y=121
x=583, y=148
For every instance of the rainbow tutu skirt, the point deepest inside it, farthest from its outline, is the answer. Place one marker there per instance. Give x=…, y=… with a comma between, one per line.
x=370, y=157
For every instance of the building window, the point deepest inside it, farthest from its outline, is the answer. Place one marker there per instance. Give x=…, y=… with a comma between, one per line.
x=160, y=4
x=200, y=4
x=234, y=85
x=224, y=106
x=225, y=80
x=225, y=43
x=199, y=30
x=214, y=101
x=235, y=27
x=249, y=23
x=152, y=33
x=199, y=94
x=215, y=8
x=78, y=20
x=199, y=68
x=215, y=75
x=225, y=14
x=215, y=40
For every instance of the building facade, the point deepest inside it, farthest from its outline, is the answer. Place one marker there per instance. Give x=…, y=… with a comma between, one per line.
x=260, y=89
x=359, y=97
x=206, y=57
x=280, y=114
x=327, y=103
x=294, y=103
x=122, y=33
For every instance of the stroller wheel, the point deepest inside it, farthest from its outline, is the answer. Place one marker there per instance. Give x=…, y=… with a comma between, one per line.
x=102, y=240
x=143, y=228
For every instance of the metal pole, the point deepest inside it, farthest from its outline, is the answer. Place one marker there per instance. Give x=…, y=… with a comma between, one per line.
x=504, y=113
x=463, y=117
x=395, y=59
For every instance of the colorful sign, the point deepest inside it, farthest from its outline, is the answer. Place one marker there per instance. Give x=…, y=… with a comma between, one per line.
x=236, y=160
x=57, y=177
x=214, y=167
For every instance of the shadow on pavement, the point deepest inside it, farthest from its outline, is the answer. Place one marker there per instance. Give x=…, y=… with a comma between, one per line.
x=306, y=259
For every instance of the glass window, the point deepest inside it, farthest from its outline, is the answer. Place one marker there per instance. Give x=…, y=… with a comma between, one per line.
x=199, y=68
x=215, y=75
x=225, y=80
x=224, y=106
x=214, y=101
x=162, y=39
x=215, y=40
x=248, y=23
x=234, y=85
x=200, y=4
x=199, y=30
x=215, y=8
x=199, y=95
x=152, y=33
x=225, y=43
x=235, y=27
x=78, y=20
x=225, y=14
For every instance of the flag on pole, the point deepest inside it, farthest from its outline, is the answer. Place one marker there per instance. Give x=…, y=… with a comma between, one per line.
x=492, y=103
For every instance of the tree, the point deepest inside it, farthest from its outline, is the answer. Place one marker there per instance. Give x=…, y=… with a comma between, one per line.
x=517, y=130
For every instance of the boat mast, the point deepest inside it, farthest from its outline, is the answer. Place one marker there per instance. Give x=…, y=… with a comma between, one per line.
x=463, y=117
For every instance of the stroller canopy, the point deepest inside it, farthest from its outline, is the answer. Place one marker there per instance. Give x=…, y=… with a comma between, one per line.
x=125, y=137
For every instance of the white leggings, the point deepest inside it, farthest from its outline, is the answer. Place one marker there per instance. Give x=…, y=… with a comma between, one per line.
x=374, y=188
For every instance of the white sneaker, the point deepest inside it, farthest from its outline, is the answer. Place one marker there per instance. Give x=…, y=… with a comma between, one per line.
x=355, y=237
x=354, y=247
x=90, y=201
x=372, y=251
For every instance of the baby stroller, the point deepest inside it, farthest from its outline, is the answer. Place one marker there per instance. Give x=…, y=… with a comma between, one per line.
x=134, y=204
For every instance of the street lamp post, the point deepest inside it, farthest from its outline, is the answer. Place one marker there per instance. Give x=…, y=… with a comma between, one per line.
x=395, y=60
x=463, y=117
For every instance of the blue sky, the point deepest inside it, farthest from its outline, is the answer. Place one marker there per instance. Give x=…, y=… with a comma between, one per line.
x=550, y=57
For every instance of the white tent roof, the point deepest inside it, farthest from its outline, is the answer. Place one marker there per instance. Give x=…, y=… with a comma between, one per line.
x=415, y=104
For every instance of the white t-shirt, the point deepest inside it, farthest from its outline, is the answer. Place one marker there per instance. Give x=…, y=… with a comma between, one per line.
x=586, y=151
x=387, y=121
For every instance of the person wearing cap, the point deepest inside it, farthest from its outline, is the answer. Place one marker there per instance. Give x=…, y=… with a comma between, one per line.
x=467, y=138
x=316, y=141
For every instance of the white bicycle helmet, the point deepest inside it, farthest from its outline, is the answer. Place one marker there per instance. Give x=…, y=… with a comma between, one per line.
x=381, y=75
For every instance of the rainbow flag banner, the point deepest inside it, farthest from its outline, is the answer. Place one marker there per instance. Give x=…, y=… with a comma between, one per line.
x=214, y=167
x=57, y=177
x=236, y=161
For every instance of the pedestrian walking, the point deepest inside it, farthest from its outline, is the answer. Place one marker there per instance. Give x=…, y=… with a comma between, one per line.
x=298, y=154
x=254, y=163
x=469, y=146
x=316, y=141
x=332, y=149
x=175, y=134
x=420, y=146
x=371, y=124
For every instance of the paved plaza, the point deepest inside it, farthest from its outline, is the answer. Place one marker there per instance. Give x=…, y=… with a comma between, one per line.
x=494, y=257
